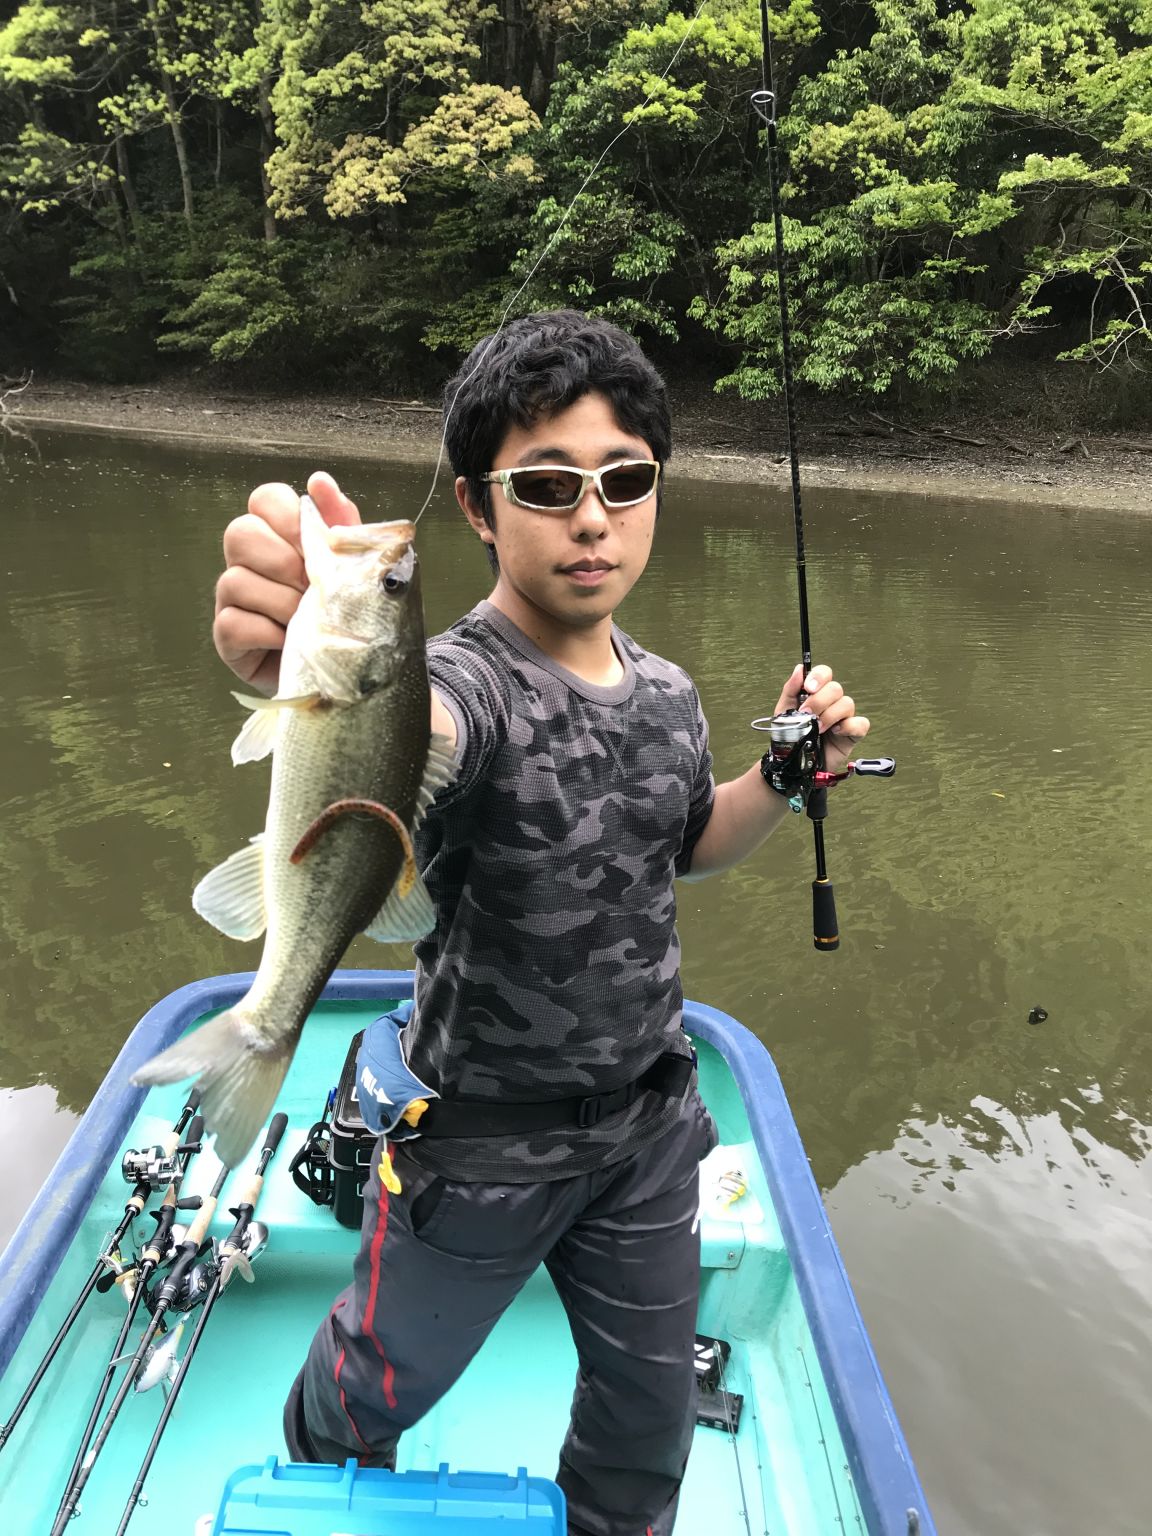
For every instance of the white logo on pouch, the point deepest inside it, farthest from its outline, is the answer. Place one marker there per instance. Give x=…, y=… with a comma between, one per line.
x=373, y=1087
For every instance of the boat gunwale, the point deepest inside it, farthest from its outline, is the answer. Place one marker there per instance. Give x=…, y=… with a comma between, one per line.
x=880, y=1461
x=881, y=1464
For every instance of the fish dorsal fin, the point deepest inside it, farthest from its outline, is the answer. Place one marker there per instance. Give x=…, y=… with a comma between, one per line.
x=440, y=769
x=231, y=896
x=409, y=916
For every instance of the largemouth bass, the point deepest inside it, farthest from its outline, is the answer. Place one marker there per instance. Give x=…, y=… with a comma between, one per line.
x=354, y=767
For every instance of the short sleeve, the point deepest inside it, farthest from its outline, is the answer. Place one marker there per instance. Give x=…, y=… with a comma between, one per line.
x=703, y=792
x=476, y=698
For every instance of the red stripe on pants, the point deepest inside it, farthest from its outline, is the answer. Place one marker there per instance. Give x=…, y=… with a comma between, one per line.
x=339, y=1366
x=369, y=1317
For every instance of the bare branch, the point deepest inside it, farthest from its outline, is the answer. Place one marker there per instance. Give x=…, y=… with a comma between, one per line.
x=17, y=389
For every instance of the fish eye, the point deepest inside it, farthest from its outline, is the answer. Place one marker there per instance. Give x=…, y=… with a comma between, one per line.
x=398, y=577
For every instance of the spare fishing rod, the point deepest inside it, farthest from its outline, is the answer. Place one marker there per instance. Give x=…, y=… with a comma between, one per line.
x=246, y=1239
x=162, y=1298
x=794, y=763
x=133, y=1277
x=149, y=1170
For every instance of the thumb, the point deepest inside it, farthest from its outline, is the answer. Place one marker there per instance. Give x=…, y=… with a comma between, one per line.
x=333, y=506
x=790, y=694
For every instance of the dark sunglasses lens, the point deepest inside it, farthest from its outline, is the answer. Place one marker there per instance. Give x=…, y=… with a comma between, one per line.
x=631, y=482
x=546, y=487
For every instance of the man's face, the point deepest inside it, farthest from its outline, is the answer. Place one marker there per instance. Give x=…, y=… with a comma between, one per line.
x=575, y=567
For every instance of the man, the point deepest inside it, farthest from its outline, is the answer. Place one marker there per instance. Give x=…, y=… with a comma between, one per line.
x=547, y=1003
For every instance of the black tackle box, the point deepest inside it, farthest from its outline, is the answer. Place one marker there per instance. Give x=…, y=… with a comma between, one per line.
x=350, y=1153
x=333, y=1164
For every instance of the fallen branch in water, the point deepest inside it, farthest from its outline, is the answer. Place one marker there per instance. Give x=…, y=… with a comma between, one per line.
x=17, y=389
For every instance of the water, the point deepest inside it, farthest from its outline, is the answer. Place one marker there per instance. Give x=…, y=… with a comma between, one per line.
x=987, y=1178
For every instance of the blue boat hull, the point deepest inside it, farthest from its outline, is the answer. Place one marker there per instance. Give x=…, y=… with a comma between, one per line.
x=875, y=1492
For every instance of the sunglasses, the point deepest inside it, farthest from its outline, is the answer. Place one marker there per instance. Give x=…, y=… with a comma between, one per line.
x=559, y=488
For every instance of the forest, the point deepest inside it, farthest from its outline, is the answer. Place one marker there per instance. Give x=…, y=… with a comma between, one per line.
x=308, y=191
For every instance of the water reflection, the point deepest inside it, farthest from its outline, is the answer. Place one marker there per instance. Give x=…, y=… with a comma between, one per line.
x=975, y=1161
x=1002, y=1270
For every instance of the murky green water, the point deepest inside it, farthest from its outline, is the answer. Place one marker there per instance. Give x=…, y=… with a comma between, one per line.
x=987, y=1178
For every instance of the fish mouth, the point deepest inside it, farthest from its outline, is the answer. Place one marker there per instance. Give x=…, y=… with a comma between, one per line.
x=388, y=540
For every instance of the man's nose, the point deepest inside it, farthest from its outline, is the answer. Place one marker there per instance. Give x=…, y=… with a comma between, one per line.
x=588, y=517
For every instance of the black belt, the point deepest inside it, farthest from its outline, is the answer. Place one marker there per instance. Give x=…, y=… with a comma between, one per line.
x=668, y=1075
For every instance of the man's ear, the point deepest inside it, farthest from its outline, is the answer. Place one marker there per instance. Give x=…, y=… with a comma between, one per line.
x=471, y=510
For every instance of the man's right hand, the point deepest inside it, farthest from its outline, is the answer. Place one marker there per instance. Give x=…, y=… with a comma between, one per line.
x=265, y=579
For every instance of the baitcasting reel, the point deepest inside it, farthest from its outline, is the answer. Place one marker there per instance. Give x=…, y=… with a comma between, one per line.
x=157, y=1166
x=153, y=1166
x=792, y=763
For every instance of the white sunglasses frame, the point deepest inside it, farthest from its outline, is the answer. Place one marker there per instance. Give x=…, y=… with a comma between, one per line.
x=502, y=477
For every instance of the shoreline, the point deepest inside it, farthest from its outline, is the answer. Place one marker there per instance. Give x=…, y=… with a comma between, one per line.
x=745, y=444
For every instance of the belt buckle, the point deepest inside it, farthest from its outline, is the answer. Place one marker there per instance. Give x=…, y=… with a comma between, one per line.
x=591, y=1111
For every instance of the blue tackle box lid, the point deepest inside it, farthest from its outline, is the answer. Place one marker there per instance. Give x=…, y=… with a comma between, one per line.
x=301, y=1499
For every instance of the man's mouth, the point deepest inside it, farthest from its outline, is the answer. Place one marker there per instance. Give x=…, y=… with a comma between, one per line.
x=587, y=573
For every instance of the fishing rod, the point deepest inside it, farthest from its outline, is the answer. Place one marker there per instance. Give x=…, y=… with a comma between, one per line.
x=162, y=1298
x=246, y=1239
x=133, y=1277
x=794, y=763
x=149, y=1170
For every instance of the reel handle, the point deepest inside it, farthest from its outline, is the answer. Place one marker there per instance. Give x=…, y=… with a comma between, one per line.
x=874, y=767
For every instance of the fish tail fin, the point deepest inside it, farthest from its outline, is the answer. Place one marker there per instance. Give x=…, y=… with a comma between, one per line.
x=238, y=1083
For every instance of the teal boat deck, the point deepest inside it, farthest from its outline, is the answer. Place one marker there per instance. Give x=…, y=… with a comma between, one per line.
x=785, y=1473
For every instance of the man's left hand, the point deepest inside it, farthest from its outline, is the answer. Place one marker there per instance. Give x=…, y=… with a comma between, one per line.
x=841, y=728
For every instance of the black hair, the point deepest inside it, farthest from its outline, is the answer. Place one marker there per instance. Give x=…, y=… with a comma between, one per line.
x=539, y=365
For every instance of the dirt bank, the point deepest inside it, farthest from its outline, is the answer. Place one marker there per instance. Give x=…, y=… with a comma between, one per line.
x=1002, y=459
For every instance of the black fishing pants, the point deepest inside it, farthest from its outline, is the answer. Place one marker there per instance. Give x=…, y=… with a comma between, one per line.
x=439, y=1263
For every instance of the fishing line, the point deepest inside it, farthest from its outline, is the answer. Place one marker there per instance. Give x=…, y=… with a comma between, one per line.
x=539, y=262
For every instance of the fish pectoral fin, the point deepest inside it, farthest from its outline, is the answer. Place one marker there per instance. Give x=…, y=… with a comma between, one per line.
x=260, y=705
x=231, y=896
x=257, y=735
x=407, y=914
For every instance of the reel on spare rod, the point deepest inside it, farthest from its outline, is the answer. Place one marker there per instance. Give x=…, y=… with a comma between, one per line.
x=153, y=1166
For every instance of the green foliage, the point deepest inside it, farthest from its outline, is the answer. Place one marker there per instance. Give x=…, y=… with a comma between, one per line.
x=362, y=185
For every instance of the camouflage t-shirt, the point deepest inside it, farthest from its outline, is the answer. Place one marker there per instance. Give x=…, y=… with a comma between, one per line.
x=553, y=970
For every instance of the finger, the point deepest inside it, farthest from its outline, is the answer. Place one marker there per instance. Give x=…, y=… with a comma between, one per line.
x=816, y=679
x=278, y=505
x=334, y=507
x=247, y=591
x=836, y=714
x=790, y=693
x=243, y=641
x=254, y=544
x=820, y=702
x=850, y=731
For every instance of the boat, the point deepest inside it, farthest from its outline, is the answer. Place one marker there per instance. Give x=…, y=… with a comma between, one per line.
x=816, y=1450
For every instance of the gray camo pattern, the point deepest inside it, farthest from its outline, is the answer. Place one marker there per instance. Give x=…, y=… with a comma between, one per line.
x=554, y=967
